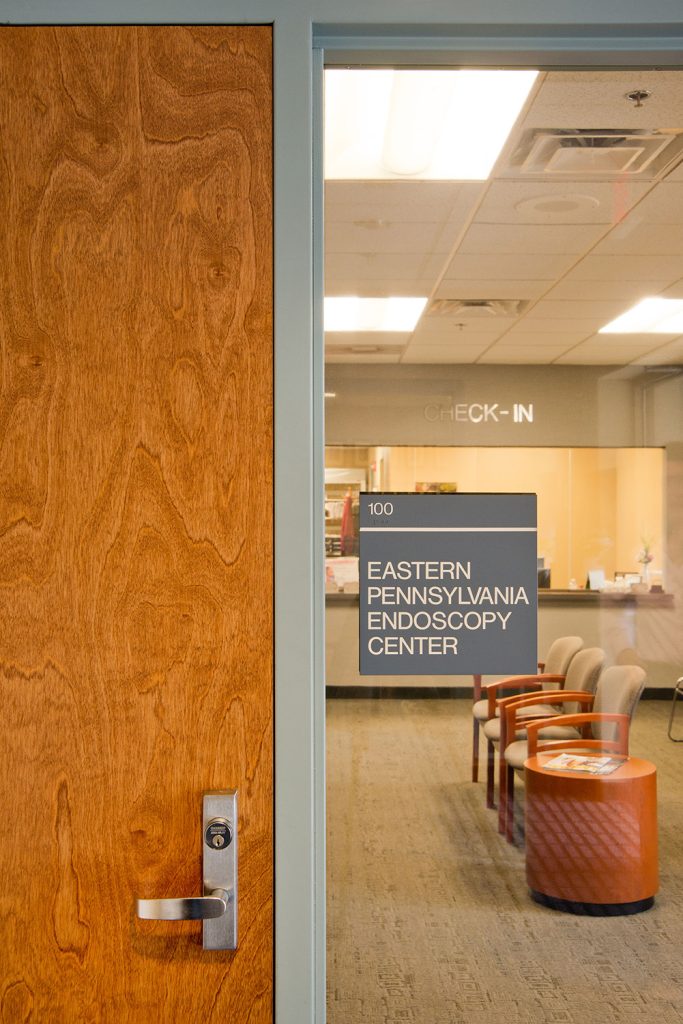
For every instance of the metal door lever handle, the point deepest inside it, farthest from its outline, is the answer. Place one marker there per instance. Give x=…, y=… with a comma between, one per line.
x=216, y=908
x=186, y=908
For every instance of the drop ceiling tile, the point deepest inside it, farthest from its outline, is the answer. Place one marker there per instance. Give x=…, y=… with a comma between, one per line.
x=442, y=354
x=530, y=238
x=635, y=238
x=374, y=196
x=600, y=312
x=413, y=210
x=332, y=357
x=676, y=174
x=577, y=326
x=522, y=339
x=665, y=355
x=409, y=227
x=522, y=354
x=627, y=341
x=674, y=291
x=435, y=329
x=385, y=237
x=619, y=267
x=531, y=202
x=491, y=289
x=468, y=267
x=591, y=358
x=346, y=272
x=467, y=200
x=342, y=339
x=596, y=350
x=663, y=204
x=626, y=292
x=450, y=237
x=378, y=287
x=583, y=99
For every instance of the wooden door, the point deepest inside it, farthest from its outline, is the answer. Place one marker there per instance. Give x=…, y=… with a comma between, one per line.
x=135, y=514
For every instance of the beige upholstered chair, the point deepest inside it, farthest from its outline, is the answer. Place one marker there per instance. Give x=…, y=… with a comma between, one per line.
x=582, y=677
x=560, y=657
x=600, y=725
x=553, y=671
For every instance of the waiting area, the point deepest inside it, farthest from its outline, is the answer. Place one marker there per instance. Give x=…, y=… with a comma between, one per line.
x=430, y=901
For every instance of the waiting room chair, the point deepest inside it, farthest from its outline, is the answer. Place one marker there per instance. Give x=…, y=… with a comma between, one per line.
x=589, y=742
x=616, y=697
x=553, y=671
x=582, y=675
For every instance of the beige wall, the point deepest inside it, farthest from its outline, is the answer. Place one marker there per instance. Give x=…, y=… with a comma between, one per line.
x=593, y=486
x=640, y=487
x=596, y=506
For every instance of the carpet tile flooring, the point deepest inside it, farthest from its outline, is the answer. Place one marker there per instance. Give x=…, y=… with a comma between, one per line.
x=429, y=918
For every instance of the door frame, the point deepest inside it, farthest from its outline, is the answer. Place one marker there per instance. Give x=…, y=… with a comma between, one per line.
x=305, y=34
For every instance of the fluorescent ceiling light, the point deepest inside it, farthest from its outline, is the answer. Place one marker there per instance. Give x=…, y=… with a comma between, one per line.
x=649, y=316
x=350, y=313
x=438, y=125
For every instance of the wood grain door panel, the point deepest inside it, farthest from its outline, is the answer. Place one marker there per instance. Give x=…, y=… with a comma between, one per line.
x=135, y=513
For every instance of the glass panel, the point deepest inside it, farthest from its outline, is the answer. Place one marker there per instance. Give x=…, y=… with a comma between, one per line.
x=459, y=889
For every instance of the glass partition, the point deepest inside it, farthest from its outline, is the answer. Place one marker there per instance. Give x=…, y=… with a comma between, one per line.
x=511, y=325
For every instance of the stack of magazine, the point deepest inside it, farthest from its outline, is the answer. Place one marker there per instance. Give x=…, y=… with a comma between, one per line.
x=586, y=763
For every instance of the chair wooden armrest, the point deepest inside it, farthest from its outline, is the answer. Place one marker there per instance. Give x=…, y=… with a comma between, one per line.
x=619, y=745
x=528, y=683
x=549, y=696
x=508, y=714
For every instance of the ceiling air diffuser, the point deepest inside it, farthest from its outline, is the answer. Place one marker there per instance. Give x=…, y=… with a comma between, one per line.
x=596, y=153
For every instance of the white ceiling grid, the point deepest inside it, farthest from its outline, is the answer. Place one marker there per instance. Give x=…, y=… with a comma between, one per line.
x=578, y=251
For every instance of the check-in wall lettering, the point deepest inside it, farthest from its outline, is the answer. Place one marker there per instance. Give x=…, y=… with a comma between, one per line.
x=448, y=584
x=479, y=412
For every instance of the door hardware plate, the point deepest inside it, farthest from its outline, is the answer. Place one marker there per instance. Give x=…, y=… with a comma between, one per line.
x=219, y=819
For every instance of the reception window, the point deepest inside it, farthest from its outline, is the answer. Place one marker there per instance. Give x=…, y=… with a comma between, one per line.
x=600, y=510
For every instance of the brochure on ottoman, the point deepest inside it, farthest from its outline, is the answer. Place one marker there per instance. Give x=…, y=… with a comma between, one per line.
x=586, y=763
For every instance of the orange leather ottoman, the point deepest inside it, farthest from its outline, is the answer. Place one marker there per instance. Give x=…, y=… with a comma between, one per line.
x=591, y=841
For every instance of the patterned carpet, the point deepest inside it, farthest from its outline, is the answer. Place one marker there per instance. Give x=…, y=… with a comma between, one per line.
x=429, y=919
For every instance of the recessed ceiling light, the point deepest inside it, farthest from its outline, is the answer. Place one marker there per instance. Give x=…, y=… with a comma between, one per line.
x=649, y=316
x=351, y=313
x=436, y=125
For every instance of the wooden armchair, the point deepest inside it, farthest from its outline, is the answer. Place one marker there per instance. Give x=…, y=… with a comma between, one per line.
x=582, y=675
x=600, y=726
x=557, y=662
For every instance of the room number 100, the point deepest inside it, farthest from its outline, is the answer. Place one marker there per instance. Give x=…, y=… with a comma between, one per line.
x=381, y=508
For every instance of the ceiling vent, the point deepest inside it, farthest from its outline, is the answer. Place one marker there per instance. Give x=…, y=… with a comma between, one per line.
x=478, y=309
x=596, y=153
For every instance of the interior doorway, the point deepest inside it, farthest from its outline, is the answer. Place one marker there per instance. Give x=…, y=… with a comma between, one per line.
x=517, y=272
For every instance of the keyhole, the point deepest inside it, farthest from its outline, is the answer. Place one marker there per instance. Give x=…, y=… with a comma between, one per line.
x=218, y=841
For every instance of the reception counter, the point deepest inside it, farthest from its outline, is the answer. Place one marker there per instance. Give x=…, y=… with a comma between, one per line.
x=631, y=628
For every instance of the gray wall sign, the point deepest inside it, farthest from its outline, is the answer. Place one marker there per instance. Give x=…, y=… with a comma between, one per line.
x=448, y=584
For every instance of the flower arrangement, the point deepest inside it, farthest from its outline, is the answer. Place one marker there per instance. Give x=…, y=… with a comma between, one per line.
x=646, y=556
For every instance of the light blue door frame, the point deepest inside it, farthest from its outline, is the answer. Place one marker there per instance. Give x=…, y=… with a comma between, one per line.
x=545, y=33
